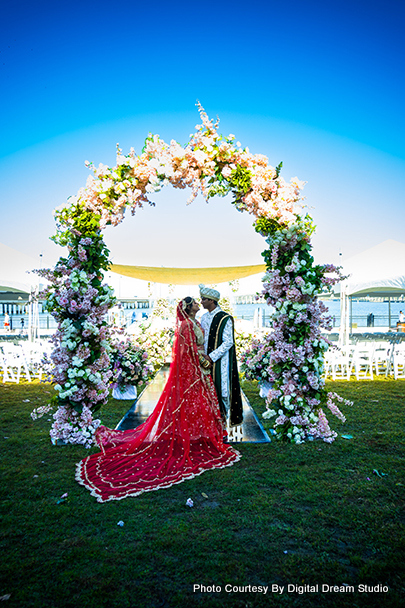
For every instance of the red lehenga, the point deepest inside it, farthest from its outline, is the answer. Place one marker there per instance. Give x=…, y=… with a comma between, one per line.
x=182, y=438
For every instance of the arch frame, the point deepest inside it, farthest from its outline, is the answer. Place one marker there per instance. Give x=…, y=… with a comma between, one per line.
x=290, y=357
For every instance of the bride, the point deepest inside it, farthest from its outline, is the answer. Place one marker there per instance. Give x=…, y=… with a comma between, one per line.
x=182, y=438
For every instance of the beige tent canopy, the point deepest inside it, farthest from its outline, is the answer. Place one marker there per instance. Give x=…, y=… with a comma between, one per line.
x=188, y=276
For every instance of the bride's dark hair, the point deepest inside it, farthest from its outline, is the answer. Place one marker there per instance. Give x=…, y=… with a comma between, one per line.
x=189, y=302
x=184, y=308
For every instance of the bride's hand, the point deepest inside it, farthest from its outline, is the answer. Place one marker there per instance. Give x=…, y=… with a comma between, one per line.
x=207, y=358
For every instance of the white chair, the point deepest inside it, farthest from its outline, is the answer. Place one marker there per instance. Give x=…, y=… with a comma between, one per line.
x=362, y=360
x=337, y=363
x=398, y=360
x=381, y=357
x=15, y=363
x=8, y=375
x=34, y=354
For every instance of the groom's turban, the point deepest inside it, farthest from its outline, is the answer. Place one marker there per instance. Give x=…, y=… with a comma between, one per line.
x=207, y=292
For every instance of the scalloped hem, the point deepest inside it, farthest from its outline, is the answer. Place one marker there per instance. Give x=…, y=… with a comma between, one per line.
x=97, y=494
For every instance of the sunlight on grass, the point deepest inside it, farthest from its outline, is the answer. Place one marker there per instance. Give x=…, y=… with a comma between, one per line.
x=285, y=514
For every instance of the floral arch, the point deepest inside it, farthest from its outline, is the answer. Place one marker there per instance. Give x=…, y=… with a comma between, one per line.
x=213, y=165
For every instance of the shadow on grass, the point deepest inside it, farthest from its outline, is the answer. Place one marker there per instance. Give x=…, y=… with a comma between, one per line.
x=307, y=515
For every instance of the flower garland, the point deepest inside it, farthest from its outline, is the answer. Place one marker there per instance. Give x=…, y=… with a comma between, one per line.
x=130, y=363
x=210, y=163
x=79, y=302
x=213, y=165
x=158, y=341
x=255, y=360
x=292, y=355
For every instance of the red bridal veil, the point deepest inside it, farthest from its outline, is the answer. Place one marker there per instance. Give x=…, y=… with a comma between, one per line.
x=182, y=438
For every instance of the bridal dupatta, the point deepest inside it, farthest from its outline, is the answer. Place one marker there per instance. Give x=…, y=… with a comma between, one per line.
x=182, y=438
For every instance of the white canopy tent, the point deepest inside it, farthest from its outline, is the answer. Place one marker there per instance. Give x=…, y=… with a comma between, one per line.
x=16, y=276
x=376, y=272
x=15, y=270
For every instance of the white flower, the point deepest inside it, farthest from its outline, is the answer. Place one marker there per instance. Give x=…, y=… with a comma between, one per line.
x=269, y=413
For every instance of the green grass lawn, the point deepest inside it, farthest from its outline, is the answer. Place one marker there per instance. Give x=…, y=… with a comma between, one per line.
x=307, y=515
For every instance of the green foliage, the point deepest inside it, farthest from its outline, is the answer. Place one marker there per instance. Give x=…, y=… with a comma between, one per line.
x=97, y=255
x=304, y=228
x=80, y=223
x=147, y=139
x=266, y=226
x=240, y=181
x=308, y=225
x=75, y=219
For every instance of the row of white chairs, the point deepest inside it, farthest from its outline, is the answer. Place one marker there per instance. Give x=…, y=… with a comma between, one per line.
x=365, y=359
x=361, y=360
x=22, y=360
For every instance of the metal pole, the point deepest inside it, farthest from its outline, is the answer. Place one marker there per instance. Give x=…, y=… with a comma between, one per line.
x=389, y=313
x=30, y=318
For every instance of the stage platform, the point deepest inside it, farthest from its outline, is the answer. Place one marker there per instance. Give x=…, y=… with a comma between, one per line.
x=252, y=429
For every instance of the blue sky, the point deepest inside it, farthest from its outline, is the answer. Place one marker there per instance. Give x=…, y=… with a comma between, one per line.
x=318, y=85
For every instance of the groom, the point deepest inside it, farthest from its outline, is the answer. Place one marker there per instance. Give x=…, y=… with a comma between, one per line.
x=220, y=349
